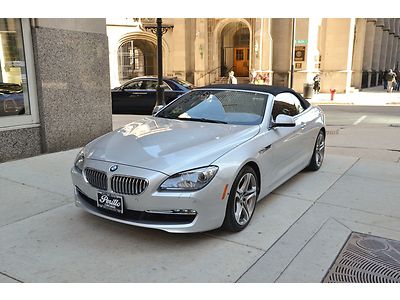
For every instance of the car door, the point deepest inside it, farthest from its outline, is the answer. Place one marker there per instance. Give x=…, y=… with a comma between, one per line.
x=286, y=151
x=127, y=98
x=170, y=93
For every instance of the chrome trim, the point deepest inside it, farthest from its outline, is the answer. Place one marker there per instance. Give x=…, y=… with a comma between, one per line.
x=96, y=178
x=189, y=212
x=128, y=185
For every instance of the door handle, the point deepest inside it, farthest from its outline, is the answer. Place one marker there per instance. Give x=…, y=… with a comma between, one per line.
x=303, y=125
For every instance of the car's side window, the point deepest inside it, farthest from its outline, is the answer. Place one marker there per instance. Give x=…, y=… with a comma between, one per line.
x=134, y=85
x=287, y=104
x=149, y=85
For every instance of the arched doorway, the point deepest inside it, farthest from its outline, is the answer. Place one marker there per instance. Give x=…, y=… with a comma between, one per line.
x=235, y=49
x=136, y=57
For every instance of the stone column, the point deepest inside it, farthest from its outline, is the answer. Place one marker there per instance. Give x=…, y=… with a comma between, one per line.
x=200, y=52
x=178, y=49
x=388, y=63
x=396, y=47
x=281, y=32
x=376, y=53
x=358, y=54
x=384, y=45
x=337, y=61
x=368, y=49
x=262, y=48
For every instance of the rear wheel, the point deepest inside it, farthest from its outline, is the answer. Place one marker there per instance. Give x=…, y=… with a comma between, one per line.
x=242, y=200
x=318, y=154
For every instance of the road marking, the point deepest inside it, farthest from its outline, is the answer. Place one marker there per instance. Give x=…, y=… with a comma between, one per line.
x=359, y=120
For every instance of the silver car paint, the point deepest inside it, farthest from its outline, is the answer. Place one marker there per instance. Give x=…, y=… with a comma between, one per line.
x=161, y=151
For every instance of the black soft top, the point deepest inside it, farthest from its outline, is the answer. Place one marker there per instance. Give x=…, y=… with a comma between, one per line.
x=273, y=90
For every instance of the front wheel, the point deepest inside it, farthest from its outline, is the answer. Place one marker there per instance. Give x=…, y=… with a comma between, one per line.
x=318, y=154
x=242, y=200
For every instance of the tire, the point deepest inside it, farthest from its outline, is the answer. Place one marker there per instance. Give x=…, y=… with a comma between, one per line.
x=239, y=211
x=318, y=153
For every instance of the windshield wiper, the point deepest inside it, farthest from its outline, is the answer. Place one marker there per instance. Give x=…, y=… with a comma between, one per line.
x=203, y=120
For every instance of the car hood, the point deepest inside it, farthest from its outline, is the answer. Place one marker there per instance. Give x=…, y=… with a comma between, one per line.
x=169, y=146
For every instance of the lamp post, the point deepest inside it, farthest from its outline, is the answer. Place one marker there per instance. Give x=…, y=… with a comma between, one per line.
x=159, y=30
x=292, y=52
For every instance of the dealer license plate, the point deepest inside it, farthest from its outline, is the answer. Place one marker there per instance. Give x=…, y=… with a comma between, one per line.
x=110, y=202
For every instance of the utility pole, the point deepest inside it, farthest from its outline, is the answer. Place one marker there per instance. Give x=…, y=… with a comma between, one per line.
x=292, y=52
x=160, y=89
x=159, y=30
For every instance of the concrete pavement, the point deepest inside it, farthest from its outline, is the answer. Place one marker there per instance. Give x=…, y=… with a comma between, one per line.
x=294, y=236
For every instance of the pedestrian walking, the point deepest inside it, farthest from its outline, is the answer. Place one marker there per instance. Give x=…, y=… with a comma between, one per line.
x=397, y=72
x=253, y=76
x=384, y=79
x=391, y=80
x=232, y=79
x=317, y=83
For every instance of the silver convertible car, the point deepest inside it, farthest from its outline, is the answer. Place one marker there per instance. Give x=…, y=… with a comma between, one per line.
x=203, y=161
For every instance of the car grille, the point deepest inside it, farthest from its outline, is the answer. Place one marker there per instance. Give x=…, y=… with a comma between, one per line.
x=128, y=185
x=96, y=178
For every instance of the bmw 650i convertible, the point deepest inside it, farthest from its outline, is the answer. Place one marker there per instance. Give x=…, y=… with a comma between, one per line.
x=203, y=161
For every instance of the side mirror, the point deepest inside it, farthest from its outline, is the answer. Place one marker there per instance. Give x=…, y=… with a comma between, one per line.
x=284, y=121
x=156, y=109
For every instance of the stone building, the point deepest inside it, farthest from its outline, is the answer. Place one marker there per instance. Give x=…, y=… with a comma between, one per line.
x=54, y=85
x=348, y=53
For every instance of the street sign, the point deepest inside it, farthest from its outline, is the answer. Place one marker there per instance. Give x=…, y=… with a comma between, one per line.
x=304, y=42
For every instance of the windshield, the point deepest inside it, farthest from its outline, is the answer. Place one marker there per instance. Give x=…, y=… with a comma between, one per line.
x=218, y=106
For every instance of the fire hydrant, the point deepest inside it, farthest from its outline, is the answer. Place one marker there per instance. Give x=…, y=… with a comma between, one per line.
x=332, y=93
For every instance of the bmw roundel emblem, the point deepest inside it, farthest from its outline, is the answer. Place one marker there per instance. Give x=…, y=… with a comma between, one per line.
x=113, y=168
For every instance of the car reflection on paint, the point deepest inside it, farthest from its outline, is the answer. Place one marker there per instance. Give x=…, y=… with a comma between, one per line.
x=203, y=161
x=11, y=99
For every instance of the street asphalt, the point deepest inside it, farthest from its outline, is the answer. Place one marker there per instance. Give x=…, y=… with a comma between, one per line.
x=295, y=234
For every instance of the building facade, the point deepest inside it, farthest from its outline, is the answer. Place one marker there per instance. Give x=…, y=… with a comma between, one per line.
x=54, y=85
x=348, y=53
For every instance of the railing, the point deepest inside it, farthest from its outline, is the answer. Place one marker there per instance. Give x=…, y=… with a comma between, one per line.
x=210, y=72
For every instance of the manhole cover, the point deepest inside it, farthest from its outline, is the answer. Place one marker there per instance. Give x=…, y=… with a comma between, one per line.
x=366, y=259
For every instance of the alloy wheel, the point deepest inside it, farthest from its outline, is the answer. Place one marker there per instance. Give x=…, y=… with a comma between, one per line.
x=245, y=198
x=320, y=149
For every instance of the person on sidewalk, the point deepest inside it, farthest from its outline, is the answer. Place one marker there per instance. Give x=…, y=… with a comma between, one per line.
x=232, y=79
x=317, y=84
x=397, y=72
x=384, y=79
x=391, y=80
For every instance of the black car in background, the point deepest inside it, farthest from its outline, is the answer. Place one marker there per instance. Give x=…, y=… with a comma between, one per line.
x=11, y=99
x=138, y=95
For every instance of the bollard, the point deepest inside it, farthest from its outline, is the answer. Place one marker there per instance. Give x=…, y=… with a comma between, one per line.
x=332, y=93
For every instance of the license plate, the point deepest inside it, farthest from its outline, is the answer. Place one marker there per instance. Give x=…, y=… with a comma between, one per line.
x=111, y=202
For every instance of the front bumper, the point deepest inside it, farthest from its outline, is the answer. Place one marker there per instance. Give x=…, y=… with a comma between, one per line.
x=179, y=212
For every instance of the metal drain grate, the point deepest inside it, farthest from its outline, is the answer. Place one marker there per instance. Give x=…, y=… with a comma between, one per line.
x=332, y=131
x=366, y=259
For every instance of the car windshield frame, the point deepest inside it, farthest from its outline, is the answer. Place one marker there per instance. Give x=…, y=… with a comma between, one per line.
x=167, y=111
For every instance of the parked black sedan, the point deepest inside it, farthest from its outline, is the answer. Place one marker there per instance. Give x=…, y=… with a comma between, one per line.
x=138, y=95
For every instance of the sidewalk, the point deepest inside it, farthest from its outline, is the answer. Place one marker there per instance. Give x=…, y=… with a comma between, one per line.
x=295, y=234
x=369, y=96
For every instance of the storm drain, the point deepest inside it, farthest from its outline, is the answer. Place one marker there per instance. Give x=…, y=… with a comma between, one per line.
x=332, y=131
x=367, y=259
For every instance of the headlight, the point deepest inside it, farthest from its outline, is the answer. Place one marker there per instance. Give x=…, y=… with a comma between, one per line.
x=79, y=160
x=191, y=180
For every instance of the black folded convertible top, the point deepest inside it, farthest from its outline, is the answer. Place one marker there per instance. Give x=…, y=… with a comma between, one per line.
x=274, y=90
